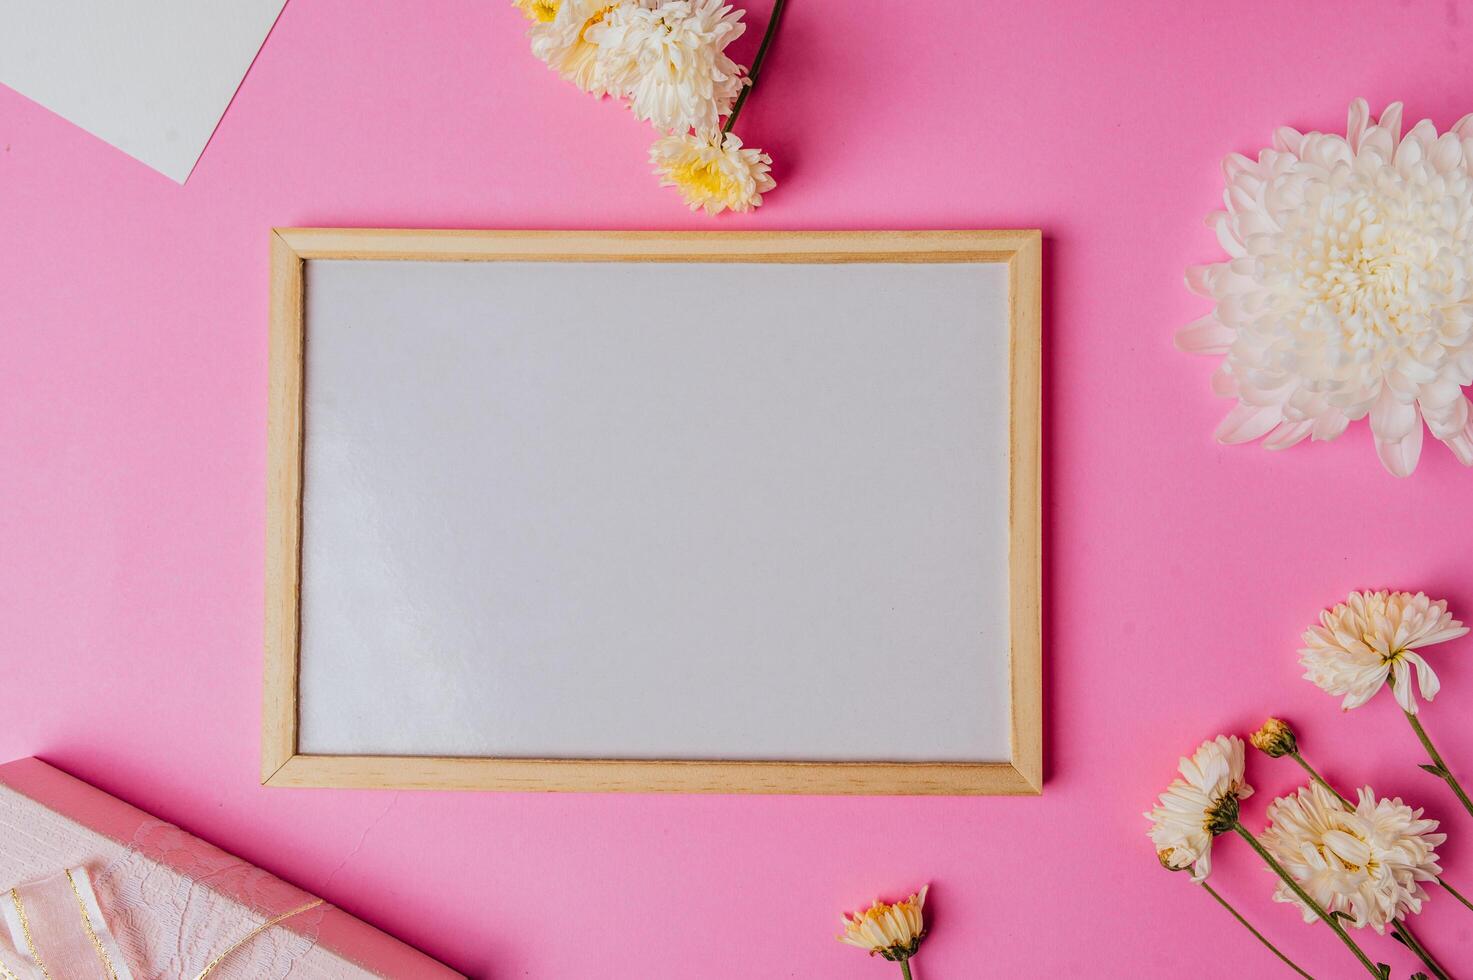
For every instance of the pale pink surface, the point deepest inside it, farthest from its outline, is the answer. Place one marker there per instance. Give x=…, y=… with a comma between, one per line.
x=158, y=885
x=132, y=421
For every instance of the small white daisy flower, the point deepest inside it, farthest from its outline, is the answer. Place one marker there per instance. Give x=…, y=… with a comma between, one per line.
x=713, y=172
x=1200, y=805
x=1370, y=639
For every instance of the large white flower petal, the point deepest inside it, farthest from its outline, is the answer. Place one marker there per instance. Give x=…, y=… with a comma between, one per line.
x=1397, y=428
x=1427, y=680
x=1247, y=422
x=1205, y=336
x=1288, y=434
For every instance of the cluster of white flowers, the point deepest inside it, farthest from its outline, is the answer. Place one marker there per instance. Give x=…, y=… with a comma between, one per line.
x=666, y=59
x=1348, y=288
x=1350, y=865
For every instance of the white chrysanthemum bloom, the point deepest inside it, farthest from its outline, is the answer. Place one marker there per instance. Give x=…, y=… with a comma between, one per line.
x=1200, y=805
x=1368, y=863
x=668, y=58
x=893, y=931
x=1348, y=290
x=712, y=172
x=562, y=40
x=1370, y=638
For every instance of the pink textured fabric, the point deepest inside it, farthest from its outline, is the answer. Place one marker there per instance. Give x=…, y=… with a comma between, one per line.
x=167, y=904
x=1179, y=573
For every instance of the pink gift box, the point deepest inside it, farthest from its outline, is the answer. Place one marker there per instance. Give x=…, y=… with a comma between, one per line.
x=173, y=902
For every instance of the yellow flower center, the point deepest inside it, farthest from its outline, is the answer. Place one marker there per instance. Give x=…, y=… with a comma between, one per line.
x=703, y=179
x=541, y=11
x=1391, y=657
x=1346, y=864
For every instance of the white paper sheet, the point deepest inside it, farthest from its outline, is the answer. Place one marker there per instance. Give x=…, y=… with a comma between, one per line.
x=151, y=77
x=649, y=510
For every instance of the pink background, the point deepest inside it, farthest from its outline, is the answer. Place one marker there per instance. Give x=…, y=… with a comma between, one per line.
x=1179, y=573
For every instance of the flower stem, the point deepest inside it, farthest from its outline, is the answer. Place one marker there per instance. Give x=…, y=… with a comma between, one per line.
x=1309, y=903
x=1321, y=780
x=1455, y=894
x=1260, y=936
x=736, y=109
x=1415, y=945
x=905, y=969
x=1439, y=768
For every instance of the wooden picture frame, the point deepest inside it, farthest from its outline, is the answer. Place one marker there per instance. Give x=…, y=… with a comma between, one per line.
x=281, y=762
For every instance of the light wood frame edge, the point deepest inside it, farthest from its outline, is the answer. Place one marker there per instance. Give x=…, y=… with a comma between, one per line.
x=282, y=765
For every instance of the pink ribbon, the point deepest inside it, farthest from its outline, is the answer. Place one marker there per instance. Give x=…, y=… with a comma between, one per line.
x=57, y=930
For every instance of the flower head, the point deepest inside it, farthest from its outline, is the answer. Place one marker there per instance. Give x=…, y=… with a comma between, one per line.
x=893, y=931
x=1200, y=805
x=538, y=11
x=668, y=57
x=712, y=172
x=1368, y=863
x=1370, y=638
x=1275, y=739
x=562, y=40
x=1348, y=289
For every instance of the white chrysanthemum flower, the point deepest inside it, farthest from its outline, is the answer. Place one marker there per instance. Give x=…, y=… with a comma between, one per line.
x=1348, y=290
x=712, y=172
x=1368, y=863
x=1370, y=638
x=668, y=57
x=1200, y=805
x=893, y=931
x=562, y=40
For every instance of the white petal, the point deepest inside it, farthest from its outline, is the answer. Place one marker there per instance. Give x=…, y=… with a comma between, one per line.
x=1205, y=336
x=1397, y=428
x=1247, y=422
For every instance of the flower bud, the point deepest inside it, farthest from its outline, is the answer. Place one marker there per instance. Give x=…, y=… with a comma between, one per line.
x=1275, y=739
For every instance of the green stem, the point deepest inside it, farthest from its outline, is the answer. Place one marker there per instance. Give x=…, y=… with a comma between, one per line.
x=1321, y=780
x=736, y=109
x=1455, y=894
x=1309, y=903
x=1260, y=936
x=1443, y=771
x=905, y=968
x=1415, y=945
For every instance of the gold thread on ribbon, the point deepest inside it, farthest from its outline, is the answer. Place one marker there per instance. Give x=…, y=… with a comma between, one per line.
x=209, y=968
x=107, y=964
x=6, y=973
x=25, y=928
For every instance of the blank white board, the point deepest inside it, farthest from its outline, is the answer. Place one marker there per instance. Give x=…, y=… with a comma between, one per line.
x=151, y=77
x=752, y=511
